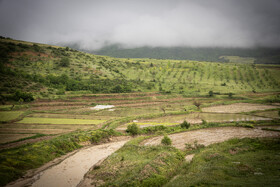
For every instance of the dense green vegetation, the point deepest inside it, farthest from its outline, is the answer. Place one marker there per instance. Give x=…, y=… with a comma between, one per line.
x=30, y=71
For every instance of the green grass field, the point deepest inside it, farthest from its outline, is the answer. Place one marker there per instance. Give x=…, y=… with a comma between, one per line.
x=135, y=165
x=57, y=121
x=9, y=115
x=246, y=162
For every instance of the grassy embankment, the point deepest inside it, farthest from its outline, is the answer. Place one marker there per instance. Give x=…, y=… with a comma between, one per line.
x=15, y=162
x=249, y=162
x=245, y=162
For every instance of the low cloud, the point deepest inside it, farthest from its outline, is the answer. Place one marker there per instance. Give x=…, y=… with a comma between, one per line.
x=155, y=23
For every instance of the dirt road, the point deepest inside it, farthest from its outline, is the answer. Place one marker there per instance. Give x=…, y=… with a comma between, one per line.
x=211, y=135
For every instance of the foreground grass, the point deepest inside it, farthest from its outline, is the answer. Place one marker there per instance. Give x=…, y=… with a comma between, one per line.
x=237, y=162
x=135, y=165
x=59, y=121
x=15, y=162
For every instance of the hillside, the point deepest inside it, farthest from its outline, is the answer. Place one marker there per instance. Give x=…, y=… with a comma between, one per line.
x=48, y=71
x=83, y=99
x=211, y=54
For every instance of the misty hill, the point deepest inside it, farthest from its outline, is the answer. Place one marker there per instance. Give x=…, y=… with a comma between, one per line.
x=48, y=71
x=260, y=55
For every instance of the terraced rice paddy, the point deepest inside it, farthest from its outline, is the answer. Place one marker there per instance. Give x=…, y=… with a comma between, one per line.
x=4, y=138
x=9, y=115
x=58, y=121
x=75, y=113
x=238, y=107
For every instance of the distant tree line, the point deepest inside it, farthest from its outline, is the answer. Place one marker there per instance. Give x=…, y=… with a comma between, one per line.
x=262, y=55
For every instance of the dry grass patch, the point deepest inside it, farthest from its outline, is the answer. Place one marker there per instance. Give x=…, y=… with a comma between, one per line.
x=238, y=107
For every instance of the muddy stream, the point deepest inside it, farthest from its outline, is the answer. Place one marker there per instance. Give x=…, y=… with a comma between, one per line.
x=70, y=171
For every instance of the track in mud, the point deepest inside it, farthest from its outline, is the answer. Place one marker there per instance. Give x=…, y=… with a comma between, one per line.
x=211, y=135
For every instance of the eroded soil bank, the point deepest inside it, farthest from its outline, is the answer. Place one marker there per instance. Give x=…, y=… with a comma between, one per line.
x=211, y=135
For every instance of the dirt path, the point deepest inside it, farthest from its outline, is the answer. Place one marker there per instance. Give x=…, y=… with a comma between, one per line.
x=211, y=135
x=71, y=170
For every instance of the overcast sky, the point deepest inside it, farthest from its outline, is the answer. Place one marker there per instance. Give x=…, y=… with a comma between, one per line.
x=135, y=23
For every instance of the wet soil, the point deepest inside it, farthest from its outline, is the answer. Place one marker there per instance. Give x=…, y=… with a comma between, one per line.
x=211, y=135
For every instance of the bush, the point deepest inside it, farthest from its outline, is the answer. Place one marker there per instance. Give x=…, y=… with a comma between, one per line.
x=211, y=93
x=19, y=95
x=204, y=122
x=153, y=129
x=133, y=129
x=64, y=62
x=197, y=104
x=166, y=140
x=185, y=125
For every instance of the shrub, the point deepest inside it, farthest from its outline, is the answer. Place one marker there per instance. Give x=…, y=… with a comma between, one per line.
x=64, y=62
x=204, y=122
x=211, y=93
x=166, y=140
x=153, y=129
x=19, y=95
x=197, y=104
x=133, y=129
x=185, y=125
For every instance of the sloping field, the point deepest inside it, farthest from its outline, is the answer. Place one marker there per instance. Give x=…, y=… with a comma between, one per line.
x=4, y=138
x=59, y=121
x=211, y=135
x=9, y=115
x=238, y=107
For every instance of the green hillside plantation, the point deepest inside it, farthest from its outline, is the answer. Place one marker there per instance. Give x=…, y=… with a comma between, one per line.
x=50, y=71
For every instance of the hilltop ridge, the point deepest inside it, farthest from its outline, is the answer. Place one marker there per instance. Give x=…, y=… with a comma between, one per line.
x=47, y=71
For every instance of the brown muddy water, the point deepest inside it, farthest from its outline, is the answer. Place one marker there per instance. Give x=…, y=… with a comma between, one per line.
x=70, y=172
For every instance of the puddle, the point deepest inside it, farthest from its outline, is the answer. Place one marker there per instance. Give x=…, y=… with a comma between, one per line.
x=101, y=107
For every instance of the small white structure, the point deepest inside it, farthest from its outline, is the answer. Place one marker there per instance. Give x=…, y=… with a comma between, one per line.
x=101, y=107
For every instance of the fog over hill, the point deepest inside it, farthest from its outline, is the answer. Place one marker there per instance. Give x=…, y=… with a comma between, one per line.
x=92, y=25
